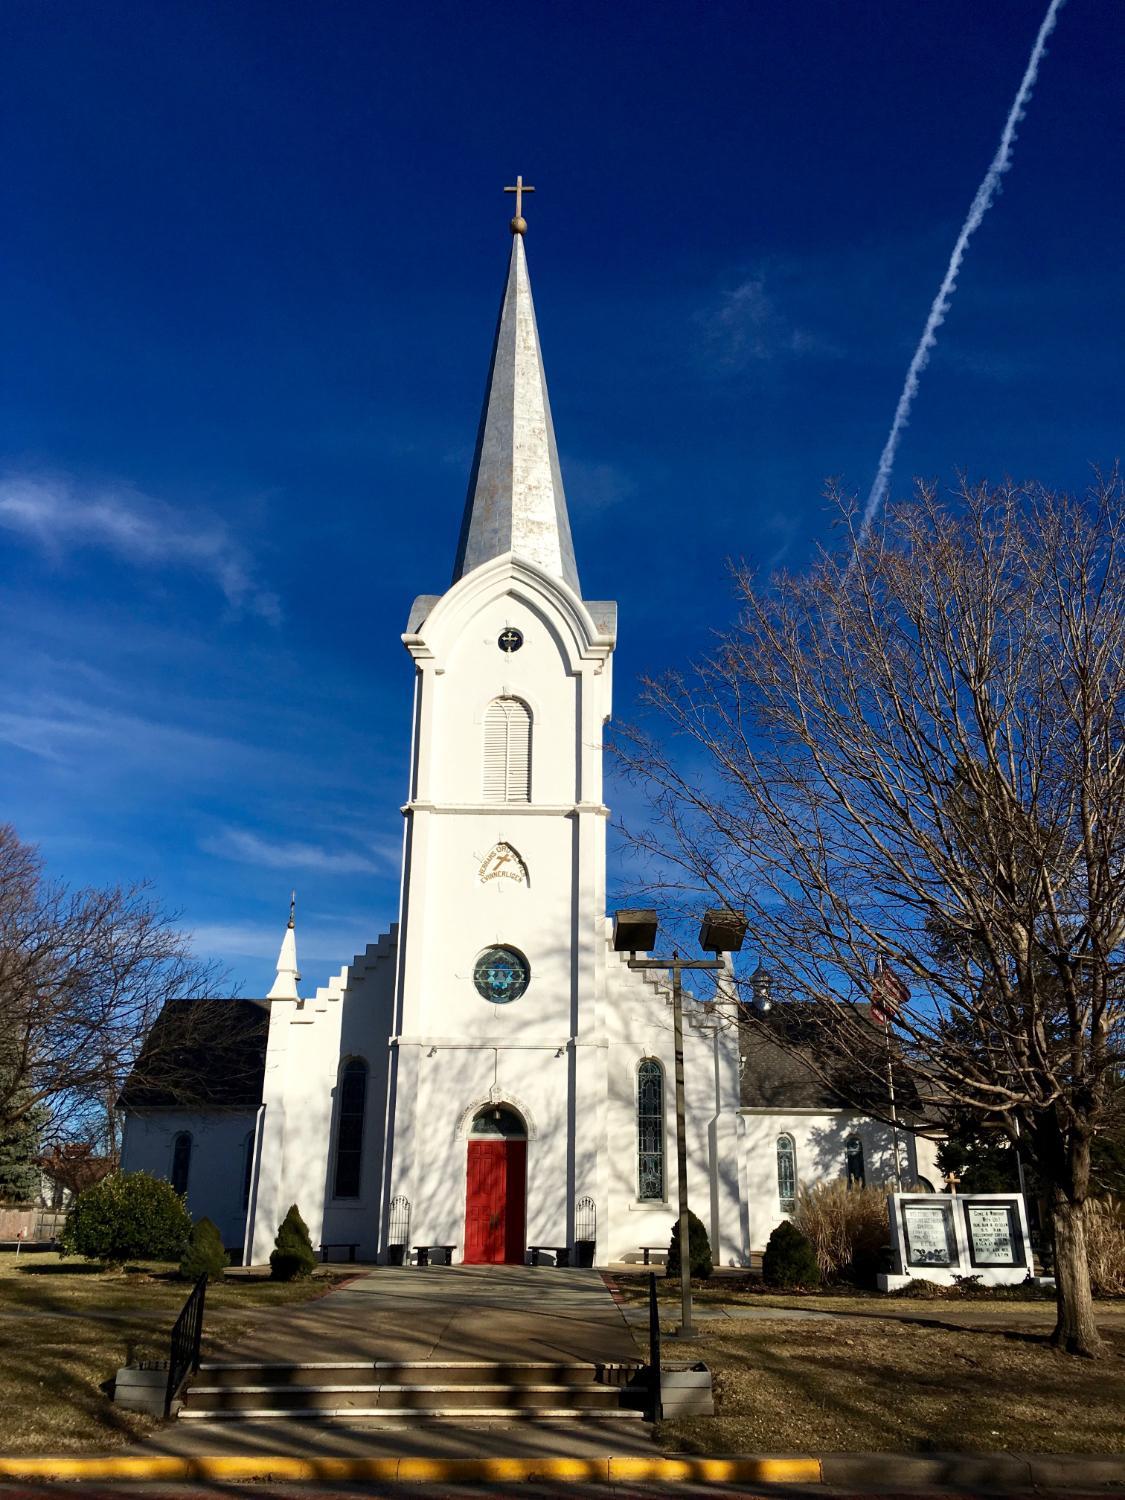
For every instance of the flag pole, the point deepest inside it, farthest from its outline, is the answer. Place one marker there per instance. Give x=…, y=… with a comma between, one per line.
x=891, y=1094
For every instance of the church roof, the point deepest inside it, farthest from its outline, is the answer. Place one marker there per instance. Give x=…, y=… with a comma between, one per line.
x=788, y=1063
x=201, y=1054
x=516, y=501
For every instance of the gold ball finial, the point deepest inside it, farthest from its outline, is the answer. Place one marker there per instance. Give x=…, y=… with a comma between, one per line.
x=519, y=225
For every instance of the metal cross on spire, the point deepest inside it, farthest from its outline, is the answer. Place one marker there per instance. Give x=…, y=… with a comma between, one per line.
x=519, y=223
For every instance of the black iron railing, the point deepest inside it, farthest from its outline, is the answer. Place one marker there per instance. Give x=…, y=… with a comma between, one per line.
x=653, y=1351
x=187, y=1332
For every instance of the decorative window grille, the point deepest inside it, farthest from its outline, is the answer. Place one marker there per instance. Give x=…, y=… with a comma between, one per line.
x=181, y=1161
x=650, y=1131
x=853, y=1160
x=398, y=1232
x=247, y=1169
x=786, y=1173
x=349, y=1128
x=497, y=1120
x=585, y=1219
x=507, y=751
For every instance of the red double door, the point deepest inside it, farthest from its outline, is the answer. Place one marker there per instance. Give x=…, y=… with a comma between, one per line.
x=494, y=1203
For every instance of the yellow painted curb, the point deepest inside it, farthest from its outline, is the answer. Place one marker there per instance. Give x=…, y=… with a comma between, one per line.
x=421, y=1470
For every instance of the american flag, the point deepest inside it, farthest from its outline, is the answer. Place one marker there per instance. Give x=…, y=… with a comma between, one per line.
x=888, y=993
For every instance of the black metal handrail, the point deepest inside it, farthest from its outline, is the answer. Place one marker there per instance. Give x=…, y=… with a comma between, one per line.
x=653, y=1350
x=187, y=1333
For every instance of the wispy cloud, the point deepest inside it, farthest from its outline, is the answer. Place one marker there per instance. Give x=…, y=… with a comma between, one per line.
x=750, y=326
x=597, y=486
x=58, y=515
x=316, y=943
x=249, y=848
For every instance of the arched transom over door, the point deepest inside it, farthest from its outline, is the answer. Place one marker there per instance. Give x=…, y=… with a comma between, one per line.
x=496, y=1188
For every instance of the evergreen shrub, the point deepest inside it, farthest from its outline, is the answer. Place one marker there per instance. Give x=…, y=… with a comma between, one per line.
x=292, y=1255
x=127, y=1216
x=699, y=1249
x=790, y=1260
x=205, y=1254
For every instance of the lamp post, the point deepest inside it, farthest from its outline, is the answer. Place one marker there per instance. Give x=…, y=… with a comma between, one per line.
x=721, y=932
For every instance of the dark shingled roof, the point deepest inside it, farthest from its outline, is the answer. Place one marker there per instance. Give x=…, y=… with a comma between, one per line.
x=778, y=1070
x=201, y=1054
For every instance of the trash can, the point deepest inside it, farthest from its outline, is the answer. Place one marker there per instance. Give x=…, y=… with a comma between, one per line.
x=396, y=1255
x=584, y=1252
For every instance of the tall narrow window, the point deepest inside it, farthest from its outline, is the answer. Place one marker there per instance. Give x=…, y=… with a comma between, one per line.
x=853, y=1160
x=507, y=751
x=786, y=1173
x=181, y=1161
x=349, y=1128
x=650, y=1131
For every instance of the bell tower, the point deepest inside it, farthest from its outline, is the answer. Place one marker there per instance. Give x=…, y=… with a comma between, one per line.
x=502, y=953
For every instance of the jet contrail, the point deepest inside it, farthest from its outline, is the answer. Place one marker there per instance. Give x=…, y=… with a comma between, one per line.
x=980, y=206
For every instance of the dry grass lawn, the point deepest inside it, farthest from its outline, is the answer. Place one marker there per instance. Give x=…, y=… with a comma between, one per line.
x=864, y=1383
x=65, y=1327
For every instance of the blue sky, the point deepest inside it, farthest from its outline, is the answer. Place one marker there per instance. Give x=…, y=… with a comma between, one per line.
x=249, y=272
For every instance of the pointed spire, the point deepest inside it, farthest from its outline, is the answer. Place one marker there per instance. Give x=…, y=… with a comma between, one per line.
x=516, y=501
x=285, y=985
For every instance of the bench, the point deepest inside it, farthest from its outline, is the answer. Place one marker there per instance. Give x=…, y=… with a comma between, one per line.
x=434, y=1255
x=647, y=1250
x=339, y=1245
x=560, y=1252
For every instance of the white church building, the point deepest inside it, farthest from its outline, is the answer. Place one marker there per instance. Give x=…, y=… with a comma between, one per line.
x=489, y=1075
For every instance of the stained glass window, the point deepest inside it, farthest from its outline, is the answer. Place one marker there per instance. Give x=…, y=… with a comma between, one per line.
x=853, y=1160
x=181, y=1161
x=501, y=975
x=786, y=1173
x=650, y=1131
x=349, y=1127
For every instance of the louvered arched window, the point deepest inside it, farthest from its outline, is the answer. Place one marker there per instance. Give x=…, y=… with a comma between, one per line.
x=507, y=751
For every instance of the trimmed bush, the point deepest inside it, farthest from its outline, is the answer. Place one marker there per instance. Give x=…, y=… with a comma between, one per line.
x=292, y=1255
x=699, y=1249
x=790, y=1260
x=127, y=1216
x=205, y=1254
x=847, y=1227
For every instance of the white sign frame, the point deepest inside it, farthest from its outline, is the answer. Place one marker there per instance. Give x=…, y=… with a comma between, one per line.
x=964, y=1259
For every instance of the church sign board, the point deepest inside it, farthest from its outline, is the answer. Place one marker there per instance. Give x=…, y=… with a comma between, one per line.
x=940, y=1238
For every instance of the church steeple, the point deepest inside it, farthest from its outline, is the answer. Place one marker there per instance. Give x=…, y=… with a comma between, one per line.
x=285, y=984
x=516, y=501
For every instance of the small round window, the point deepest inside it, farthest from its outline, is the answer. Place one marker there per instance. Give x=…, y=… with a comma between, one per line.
x=501, y=974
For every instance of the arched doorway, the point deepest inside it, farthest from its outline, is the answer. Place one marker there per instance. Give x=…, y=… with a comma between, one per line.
x=495, y=1194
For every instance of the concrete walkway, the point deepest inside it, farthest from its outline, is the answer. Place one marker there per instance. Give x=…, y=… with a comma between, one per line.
x=447, y=1313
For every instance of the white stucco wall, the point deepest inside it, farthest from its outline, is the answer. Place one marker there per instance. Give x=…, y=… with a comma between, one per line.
x=818, y=1138
x=220, y=1141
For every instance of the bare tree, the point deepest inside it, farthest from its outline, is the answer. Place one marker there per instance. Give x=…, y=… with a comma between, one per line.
x=915, y=752
x=83, y=976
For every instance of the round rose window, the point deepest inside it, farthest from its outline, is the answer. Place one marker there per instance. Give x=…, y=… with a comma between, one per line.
x=501, y=975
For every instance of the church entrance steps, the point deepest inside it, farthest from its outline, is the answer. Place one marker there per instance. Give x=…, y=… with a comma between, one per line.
x=458, y=1390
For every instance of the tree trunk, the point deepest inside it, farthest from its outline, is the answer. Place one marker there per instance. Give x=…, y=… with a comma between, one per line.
x=1075, y=1330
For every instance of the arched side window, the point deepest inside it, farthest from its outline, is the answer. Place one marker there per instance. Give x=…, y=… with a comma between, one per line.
x=507, y=751
x=349, y=1127
x=853, y=1160
x=786, y=1173
x=247, y=1168
x=181, y=1161
x=650, y=1131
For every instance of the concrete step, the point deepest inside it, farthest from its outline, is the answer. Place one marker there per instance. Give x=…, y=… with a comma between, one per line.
x=413, y=1397
x=399, y=1372
x=458, y=1414
x=457, y=1390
